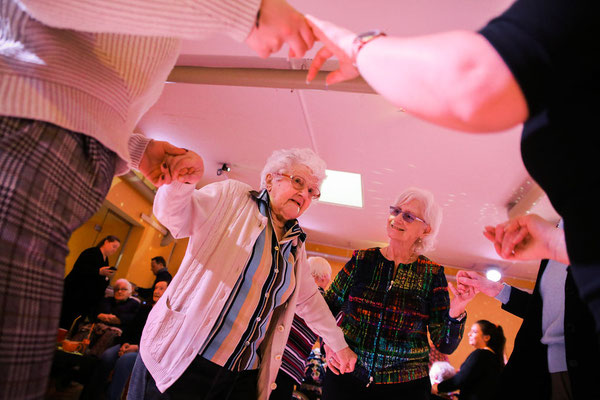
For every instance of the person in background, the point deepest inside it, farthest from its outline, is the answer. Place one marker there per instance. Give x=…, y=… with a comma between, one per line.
x=440, y=371
x=392, y=297
x=158, y=266
x=121, y=357
x=86, y=283
x=221, y=328
x=75, y=79
x=301, y=339
x=120, y=309
x=479, y=375
x=518, y=69
x=555, y=353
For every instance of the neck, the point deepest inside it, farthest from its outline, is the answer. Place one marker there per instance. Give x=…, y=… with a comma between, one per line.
x=399, y=252
x=278, y=225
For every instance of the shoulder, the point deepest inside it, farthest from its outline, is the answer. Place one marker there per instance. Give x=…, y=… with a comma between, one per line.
x=366, y=253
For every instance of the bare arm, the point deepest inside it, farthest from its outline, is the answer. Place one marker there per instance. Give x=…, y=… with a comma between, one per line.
x=453, y=79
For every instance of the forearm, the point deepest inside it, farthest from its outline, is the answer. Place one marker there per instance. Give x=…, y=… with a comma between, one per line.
x=172, y=18
x=454, y=79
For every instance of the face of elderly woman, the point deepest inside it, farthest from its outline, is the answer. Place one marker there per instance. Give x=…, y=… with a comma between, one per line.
x=121, y=291
x=398, y=228
x=287, y=202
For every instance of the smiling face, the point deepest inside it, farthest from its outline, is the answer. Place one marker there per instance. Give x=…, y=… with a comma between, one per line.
x=409, y=232
x=288, y=203
x=476, y=337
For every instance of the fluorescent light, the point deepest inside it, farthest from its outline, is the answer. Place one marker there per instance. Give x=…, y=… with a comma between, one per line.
x=342, y=188
x=493, y=275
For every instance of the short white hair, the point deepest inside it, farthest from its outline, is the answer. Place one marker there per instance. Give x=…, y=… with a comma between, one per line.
x=285, y=160
x=432, y=215
x=440, y=371
x=319, y=267
x=127, y=283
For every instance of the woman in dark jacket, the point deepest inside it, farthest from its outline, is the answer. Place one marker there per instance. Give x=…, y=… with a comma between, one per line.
x=87, y=281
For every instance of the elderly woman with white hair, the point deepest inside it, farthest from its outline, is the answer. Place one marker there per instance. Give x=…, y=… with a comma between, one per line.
x=390, y=298
x=120, y=309
x=220, y=329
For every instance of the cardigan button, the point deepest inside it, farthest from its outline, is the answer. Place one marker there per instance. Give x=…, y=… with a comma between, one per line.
x=280, y=328
x=278, y=357
x=273, y=386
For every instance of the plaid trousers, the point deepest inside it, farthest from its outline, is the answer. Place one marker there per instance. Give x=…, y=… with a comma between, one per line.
x=51, y=181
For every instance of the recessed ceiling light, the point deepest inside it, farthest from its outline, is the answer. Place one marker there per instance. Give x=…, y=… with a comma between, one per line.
x=493, y=275
x=343, y=188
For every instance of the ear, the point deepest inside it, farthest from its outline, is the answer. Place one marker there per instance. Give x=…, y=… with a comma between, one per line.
x=269, y=179
x=486, y=338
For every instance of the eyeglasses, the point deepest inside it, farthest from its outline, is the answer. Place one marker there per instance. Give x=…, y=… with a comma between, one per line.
x=121, y=289
x=407, y=216
x=299, y=183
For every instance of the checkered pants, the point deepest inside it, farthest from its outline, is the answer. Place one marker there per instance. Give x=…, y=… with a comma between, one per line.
x=51, y=181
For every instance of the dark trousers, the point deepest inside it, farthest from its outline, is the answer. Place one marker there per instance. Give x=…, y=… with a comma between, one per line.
x=202, y=380
x=285, y=387
x=51, y=181
x=347, y=387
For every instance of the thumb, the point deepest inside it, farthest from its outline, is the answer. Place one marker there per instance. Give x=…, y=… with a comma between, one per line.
x=173, y=150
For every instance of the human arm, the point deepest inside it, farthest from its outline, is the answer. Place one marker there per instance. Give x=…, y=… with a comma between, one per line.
x=528, y=237
x=474, y=367
x=109, y=318
x=277, y=23
x=454, y=79
x=445, y=332
x=311, y=306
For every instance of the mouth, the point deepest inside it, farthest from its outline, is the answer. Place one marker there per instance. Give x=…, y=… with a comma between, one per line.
x=297, y=203
x=396, y=227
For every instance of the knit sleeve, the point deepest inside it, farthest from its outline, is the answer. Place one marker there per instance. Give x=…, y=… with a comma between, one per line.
x=445, y=332
x=337, y=294
x=187, y=19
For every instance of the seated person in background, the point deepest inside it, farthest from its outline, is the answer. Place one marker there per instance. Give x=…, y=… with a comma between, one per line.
x=439, y=371
x=121, y=356
x=479, y=375
x=555, y=354
x=158, y=265
x=119, y=310
x=301, y=339
x=86, y=283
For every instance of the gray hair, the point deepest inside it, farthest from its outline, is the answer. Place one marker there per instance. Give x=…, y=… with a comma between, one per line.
x=432, y=215
x=319, y=267
x=129, y=287
x=282, y=160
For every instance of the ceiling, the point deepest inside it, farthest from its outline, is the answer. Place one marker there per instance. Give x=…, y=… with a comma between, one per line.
x=473, y=177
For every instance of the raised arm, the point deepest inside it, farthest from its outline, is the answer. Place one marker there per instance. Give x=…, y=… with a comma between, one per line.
x=453, y=79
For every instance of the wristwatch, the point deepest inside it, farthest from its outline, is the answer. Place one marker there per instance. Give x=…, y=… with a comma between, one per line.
x=363, y=38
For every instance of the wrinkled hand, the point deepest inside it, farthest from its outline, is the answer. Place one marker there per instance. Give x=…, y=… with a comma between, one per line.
x=280, y=23
x=341, y=362
x=337, y=42
x=128, y=348
x=462, y=296
x=153, y=164
x=527, y=237
x=186, y=168
x=478, y=282
x=106, y=271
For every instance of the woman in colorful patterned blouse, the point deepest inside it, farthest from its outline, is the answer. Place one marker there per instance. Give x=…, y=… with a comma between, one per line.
x=391, y=298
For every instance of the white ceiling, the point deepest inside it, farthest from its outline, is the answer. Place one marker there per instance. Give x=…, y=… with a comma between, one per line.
x=473, y=177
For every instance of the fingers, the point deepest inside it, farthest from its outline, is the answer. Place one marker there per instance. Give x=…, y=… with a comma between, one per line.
x=173, y=150
x=322, y=55
x=333, y=367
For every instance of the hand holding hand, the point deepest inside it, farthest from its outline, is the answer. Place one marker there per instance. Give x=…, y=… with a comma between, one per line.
x=528, y=237
x=106, y=271
x=280, y=23
x=186, y=168
x=337, y=42
x=462, y=297
x=341, y=362
x=478, y=282
x=152, y=165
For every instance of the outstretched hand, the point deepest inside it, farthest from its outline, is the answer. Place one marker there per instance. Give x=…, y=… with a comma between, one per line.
x=462, y=296
x=186, y=168
x=528, y=237
x=280, y=23
x=478, y=283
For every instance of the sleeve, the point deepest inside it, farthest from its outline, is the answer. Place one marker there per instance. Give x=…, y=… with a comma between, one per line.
x=445, y=332
x=186, y=19
x=470, y=371
x=518, y=302
x=183, y=210
x=532, y=37
x=88, y=264
x=337, y=294
x=311, y=307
